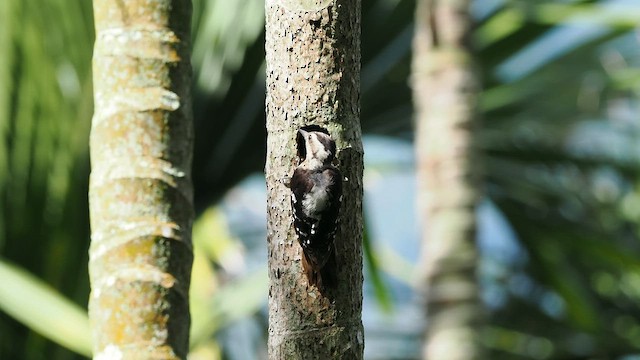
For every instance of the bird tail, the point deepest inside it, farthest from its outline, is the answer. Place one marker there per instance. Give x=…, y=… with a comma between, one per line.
x=320, y=277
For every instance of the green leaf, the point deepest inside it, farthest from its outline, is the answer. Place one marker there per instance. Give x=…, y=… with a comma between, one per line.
x=397, y=266
x=379, y=286
x=621, y=15
x=231, y=302
x=43, y=309
x=244, y=297
x=499, y=26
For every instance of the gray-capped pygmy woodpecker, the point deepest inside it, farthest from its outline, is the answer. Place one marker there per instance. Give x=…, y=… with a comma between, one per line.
x=316, y=195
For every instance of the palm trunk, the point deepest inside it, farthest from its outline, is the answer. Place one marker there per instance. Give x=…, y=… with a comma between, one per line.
x=445, y=94
x=313, y=66
x=140, y=190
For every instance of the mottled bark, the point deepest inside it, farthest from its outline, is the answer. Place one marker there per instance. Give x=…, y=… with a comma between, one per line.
x=140, y=191
x=445, y=94
x=313, y=66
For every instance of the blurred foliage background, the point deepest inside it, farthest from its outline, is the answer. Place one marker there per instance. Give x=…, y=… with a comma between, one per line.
x=560, y=133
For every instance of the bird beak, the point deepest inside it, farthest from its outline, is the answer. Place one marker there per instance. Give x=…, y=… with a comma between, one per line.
x=303, y=133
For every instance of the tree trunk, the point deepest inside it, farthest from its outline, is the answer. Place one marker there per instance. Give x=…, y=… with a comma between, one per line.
x=445, y=95
x=140, y=190
x=313, y=67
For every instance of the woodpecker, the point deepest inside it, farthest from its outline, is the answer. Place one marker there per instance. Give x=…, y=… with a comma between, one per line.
x=316, y=195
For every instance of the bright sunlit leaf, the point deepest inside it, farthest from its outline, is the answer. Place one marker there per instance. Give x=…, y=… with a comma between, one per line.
x=41, y=308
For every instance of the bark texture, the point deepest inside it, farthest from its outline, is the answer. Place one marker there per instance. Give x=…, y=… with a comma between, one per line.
x=445, y=94
x=140, y=189
x=313, y=66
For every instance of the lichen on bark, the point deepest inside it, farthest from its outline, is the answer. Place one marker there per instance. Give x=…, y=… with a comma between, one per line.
x=141, y=201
